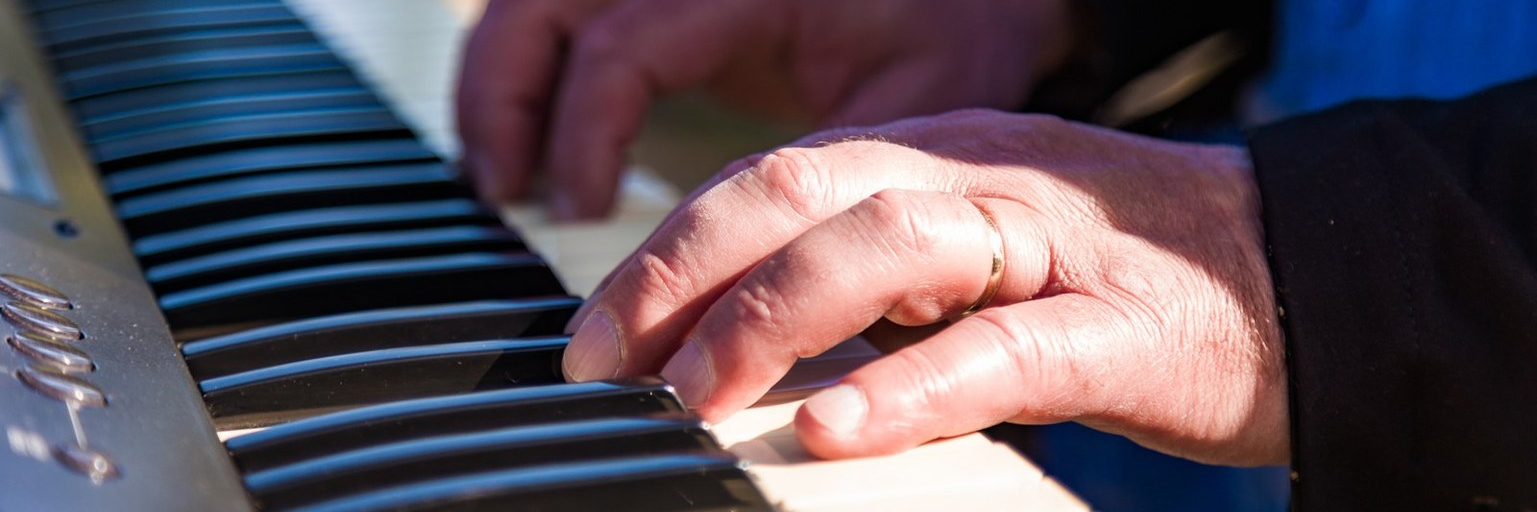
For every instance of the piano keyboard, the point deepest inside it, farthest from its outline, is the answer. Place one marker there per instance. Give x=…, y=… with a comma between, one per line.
x=324, y=277
x=363, y=334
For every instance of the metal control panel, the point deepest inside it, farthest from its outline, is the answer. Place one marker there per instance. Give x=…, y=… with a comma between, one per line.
x=97, y=409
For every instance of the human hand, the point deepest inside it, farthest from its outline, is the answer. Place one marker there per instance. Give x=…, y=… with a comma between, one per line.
x=566, y=83
x=1135, y=297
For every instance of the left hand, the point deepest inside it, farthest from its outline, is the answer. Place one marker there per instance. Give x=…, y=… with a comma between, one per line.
x=1135, y=298
x=565, y=84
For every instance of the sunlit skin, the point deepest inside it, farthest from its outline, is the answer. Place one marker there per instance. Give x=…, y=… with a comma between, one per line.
x=1136, y=298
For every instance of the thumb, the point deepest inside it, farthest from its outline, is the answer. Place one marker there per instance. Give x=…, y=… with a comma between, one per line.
x=1011, y=362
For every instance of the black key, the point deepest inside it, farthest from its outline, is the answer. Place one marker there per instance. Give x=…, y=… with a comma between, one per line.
x=228, y=133
x=39, y=6
x=658, y=483
x=128, y=103
x=48, y=5
x=313, y=252
x=185, y=207
x=247, y=232
x=375, y=330
x=97, y=12
x=204, y=113
x=294, y=390
x=418, y=460
x=340, y=432
x=76, y=37
x=196, y=66
x=179, y=43
x=261, y=160
x=361, y=286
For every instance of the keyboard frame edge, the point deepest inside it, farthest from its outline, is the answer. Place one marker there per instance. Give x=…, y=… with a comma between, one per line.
x=154, y=428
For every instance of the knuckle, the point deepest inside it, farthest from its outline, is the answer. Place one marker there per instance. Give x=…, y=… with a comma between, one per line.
x=905, y=222
x=1142, y=288
x=770, y=300
x=930, y=382
x=661, y=279
x=758, y=304
x=1038, y=355
x=915, y=230
x=792, y=178
x=755, y=302
x=1022, y=346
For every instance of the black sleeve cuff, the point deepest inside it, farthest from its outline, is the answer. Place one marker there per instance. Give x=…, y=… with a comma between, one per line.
x=1401, y=238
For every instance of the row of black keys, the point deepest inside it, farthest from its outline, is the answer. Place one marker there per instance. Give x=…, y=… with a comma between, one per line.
x=594, y=446
x=329, y=263
x=258, y=178
x=433, y=295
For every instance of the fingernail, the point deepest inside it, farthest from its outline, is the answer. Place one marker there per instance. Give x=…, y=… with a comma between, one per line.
x=580, y=316
x=593, y=353
x=840, y=409
x=690, y=373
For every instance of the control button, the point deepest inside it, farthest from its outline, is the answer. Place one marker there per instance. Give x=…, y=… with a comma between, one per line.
x=61, y=387
x=64, y=357
x=33, y=292
x=87, y=462
x=41, y=321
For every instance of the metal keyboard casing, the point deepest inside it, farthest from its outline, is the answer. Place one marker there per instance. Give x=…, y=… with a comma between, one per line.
x=154, y=428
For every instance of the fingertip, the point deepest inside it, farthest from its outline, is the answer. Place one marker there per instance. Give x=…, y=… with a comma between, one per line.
x=562, y=207
x=581, y=314
x=593, y=204
x=691, y=374
x=832, y=423
x=948, y=385
x=495, y=182
x=595, y=351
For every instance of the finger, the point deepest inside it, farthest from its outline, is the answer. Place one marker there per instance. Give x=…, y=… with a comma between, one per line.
x=913, y=257
x=1030, y=362
x=732, y=169
x=640, y=318
x=623, y=59
x=510, y=63
x=904, y=89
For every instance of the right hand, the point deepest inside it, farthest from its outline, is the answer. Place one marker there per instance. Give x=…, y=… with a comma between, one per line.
x=565, y=84
x=1136, y=298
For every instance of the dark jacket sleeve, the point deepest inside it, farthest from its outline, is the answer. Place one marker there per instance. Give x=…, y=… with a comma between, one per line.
x=1403, y=243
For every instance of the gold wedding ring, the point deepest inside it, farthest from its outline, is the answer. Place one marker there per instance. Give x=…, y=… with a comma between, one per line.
x=995, y=277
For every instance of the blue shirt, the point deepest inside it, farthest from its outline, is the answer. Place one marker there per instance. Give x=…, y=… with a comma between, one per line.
x=1328, y=52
